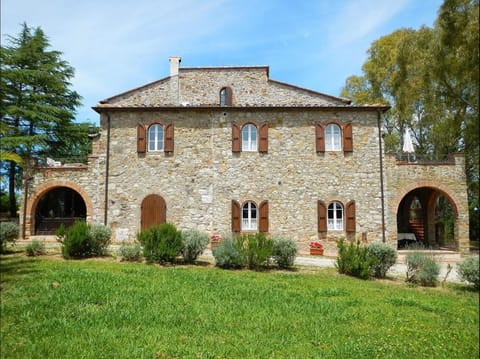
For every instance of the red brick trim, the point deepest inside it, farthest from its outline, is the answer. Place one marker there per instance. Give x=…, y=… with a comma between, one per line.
x=33, y=200
x=456, y=203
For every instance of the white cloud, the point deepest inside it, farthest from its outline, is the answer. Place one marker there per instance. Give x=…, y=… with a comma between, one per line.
x=113, y=45
x=359, y=19
x=116, y=45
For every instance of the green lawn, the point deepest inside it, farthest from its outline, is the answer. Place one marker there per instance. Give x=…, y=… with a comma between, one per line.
x=52, y=308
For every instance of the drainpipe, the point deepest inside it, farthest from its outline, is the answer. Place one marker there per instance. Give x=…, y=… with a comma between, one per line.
x=380, y=152
x=107, y=168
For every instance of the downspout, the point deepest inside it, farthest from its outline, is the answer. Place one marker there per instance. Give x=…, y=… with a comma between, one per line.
x=107, y=169
x=382, y=194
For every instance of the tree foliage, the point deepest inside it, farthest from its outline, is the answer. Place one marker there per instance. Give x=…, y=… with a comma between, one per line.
x=429, y=77
x=37, y=105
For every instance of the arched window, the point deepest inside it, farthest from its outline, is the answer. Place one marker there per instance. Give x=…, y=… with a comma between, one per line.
x=335, y=216
x=249, y=217
x=226, y=97
x=333, y=138
x=249, y=137
x=155, y=138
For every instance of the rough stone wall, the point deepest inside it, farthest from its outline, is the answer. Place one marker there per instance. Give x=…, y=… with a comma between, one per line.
x=449, y=179
x=201, y=87
x=87, y=180
x=201, y=178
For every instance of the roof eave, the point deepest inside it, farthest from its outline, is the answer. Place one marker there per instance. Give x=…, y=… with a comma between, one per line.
x=104, y=108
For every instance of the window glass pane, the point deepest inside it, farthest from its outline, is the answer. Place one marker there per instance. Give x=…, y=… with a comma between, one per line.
x=333, y=138
x=339, y=213
x=155, y=138
x=249, y=216
x=245, y=139
x=223, y=94
x=335, y=216
x=249, y=138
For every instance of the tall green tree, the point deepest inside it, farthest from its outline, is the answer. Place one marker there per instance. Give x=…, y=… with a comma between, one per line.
x=37, y=104
x=430, y=78
x=457, y=73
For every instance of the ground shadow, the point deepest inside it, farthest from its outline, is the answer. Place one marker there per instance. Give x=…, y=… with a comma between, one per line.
x=13, y=265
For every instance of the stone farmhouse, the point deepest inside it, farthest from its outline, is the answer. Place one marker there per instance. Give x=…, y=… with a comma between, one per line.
x=227, y=149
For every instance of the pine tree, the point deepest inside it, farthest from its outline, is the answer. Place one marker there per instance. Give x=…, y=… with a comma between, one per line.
x=37, y=105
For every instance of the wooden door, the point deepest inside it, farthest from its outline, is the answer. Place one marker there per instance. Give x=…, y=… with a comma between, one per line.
x=154, y=211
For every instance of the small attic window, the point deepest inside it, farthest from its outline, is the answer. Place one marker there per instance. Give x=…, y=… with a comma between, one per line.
x=225, y=96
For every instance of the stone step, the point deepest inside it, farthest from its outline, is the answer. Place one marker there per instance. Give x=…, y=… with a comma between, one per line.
x=438, y=255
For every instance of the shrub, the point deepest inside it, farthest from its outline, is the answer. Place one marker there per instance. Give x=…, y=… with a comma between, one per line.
x=383, y=257
x=161, y=243
x=36, y=248
x=257, y=249
x=75, y=240
x=421, y=269
x=228, y=254
x=469, y=271
x=99, y=239
x=194, y=243
x=130, y=252
x=284, y=252
x=8, y=233
x=352, y=259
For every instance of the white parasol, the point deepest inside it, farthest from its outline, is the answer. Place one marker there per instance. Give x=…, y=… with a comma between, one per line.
x=407, y=143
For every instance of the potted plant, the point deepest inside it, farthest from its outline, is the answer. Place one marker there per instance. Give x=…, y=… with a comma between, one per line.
x=316, y=248
x=215, y=240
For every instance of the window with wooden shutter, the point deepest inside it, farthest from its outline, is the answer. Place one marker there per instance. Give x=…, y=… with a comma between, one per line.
x=322, y=217
x=141, y=138
x=319, y=138
x=169, y=138
x=263, y=209
x=263, y=143
x=236, y=225
x=350, y=225
x=347, y=138
x=235, y=138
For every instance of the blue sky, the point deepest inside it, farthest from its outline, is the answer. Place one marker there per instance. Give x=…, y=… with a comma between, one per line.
x=118, y=45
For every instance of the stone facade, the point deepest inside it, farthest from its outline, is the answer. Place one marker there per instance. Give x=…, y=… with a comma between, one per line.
x=199, y=180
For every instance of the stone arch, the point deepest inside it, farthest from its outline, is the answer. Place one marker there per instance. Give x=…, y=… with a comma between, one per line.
x=424, y=227
x=456, y=202
x=40, y=191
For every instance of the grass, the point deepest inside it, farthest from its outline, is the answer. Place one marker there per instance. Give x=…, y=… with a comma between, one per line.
x=52, y=308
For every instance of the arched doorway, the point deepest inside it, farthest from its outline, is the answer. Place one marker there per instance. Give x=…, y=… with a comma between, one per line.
x=153, y=211
x=60, y=205
x=426, y=217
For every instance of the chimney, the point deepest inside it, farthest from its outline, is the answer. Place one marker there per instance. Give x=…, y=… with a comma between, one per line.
x=174, y=65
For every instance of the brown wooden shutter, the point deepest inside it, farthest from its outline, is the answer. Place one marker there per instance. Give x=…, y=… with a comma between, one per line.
x=350, y=209
x=319, y=138
x=263, y=211
x=263, y=135
x=235, y=138
x=322, y=217
x=236, y=217
x=141, y=138
x=169, y=138
x=347, y=138
x=228, y=96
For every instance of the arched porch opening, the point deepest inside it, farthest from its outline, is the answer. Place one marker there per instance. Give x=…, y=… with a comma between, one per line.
x=58, y=206
x=427, y=217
